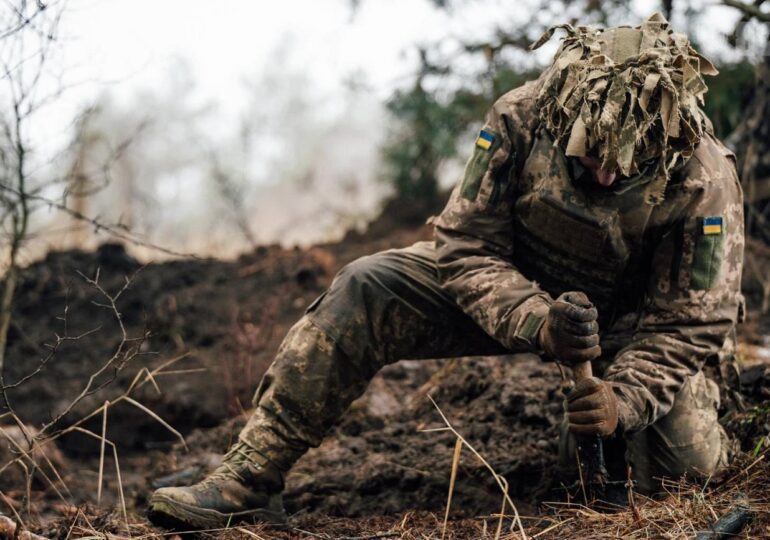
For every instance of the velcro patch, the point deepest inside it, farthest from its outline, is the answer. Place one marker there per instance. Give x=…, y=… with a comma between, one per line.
x=712, y=225
x=709, y=250
x=486, y=145
x=485, y=140
x=530, y=328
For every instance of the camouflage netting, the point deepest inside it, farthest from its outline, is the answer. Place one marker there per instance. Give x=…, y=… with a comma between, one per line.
x=628, y=96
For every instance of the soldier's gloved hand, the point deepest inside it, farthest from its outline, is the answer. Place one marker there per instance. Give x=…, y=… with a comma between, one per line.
x=592, y=408
x=570, y=334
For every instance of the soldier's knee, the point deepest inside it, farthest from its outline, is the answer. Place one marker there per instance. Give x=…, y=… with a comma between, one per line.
x=355, y=297
x=697, y=462
x=687, y=442
x=370, y=271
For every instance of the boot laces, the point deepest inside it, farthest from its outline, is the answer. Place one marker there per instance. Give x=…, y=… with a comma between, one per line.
x=239, y=459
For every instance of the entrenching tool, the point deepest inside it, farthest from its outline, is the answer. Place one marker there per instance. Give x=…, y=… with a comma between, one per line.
x=594, y=478
x=593, y=472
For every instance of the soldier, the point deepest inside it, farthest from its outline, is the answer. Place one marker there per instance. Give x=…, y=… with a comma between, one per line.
x=598, y=219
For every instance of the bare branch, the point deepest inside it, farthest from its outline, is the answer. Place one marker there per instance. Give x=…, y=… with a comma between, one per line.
x=750, y=10
x=123, y=353
x=23, y=19
x=116, y=231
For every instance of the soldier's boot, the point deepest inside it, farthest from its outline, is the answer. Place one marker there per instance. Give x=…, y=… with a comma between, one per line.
x=245, y=487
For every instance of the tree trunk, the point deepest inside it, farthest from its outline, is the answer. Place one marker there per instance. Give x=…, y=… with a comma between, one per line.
x=6, y=311
x=751, y=143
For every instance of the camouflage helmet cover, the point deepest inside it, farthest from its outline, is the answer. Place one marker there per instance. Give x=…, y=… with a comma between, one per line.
x=630, y=95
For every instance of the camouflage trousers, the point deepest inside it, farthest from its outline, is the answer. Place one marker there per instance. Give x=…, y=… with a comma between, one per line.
x=390, y=306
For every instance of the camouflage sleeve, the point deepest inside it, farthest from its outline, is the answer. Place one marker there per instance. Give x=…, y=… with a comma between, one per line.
x=693, y=298
x=474, y=237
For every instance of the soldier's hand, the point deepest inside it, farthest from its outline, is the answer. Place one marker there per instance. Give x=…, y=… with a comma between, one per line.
x=570, y=334
x=592, y=408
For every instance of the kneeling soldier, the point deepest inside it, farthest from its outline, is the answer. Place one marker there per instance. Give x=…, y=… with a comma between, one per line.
x=600, y=184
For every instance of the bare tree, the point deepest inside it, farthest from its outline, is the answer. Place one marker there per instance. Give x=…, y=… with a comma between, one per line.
x=231, y=187
x=31, y=80
x=26, y=45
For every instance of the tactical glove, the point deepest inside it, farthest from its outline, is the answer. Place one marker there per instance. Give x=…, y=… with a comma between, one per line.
x=592, y=408
x=570, y=334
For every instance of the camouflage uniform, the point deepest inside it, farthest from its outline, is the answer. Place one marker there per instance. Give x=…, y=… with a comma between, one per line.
x=668, y=296
x=659, y=254
x=526, y=224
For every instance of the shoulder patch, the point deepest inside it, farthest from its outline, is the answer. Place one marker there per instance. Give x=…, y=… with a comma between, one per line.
x=487, y=144
x=485, y=140
x=712, y=225
x=709, y=250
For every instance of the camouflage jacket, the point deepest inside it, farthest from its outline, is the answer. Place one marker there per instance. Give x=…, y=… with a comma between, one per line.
x=526, y=225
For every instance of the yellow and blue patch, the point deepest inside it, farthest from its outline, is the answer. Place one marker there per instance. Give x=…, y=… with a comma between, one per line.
x=485, y=140
x=712, y=225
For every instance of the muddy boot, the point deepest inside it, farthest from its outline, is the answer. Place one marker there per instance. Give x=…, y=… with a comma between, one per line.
x=246, y=487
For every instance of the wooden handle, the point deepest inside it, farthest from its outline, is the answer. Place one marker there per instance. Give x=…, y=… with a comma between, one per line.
x=582, y=371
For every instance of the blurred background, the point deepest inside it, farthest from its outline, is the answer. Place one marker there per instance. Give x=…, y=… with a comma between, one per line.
x=209, y=129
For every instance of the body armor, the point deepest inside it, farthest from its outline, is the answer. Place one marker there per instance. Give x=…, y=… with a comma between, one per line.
x=573, y=235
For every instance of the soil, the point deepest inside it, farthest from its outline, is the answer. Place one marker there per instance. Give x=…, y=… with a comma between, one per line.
x=384, y=461
x=380, y=459
x=226, y=318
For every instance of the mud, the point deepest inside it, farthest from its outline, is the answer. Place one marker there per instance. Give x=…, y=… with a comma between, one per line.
x=381, y=460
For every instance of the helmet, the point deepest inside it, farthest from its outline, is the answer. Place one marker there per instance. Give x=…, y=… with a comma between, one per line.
x=629, y=96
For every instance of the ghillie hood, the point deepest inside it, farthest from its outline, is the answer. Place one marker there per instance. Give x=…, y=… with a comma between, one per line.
x=628, y=96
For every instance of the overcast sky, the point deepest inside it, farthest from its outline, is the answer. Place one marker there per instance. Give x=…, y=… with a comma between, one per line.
x=134, y=43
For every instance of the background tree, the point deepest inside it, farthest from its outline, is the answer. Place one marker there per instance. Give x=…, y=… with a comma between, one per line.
x=51, y=173
x=444, y=102
x=751, y=137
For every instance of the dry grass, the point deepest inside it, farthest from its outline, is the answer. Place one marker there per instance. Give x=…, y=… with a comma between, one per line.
x=501, y=481
x=686, y=510
x=682, y=511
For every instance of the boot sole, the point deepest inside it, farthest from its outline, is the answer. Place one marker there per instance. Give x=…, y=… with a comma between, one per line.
x=172, y=514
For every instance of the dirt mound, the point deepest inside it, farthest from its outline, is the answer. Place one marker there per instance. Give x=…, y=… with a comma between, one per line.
x=507, y=408
x=382, y=461
x=14, y=444
x=227, y=318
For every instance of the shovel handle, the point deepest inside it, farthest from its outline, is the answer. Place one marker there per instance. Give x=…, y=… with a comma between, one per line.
x=582, y=371
x=590, y=448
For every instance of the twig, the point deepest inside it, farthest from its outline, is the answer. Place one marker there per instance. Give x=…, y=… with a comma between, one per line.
x=452, y=478
x=116, y=231
x=120, y=357
x=497, y=477
x=101, y=453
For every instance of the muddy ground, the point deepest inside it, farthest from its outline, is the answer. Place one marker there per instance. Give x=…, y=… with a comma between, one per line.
x=223, y=321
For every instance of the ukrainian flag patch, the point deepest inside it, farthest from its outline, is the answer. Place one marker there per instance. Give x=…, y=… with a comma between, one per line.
x=485, y=140
x=712, y=225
